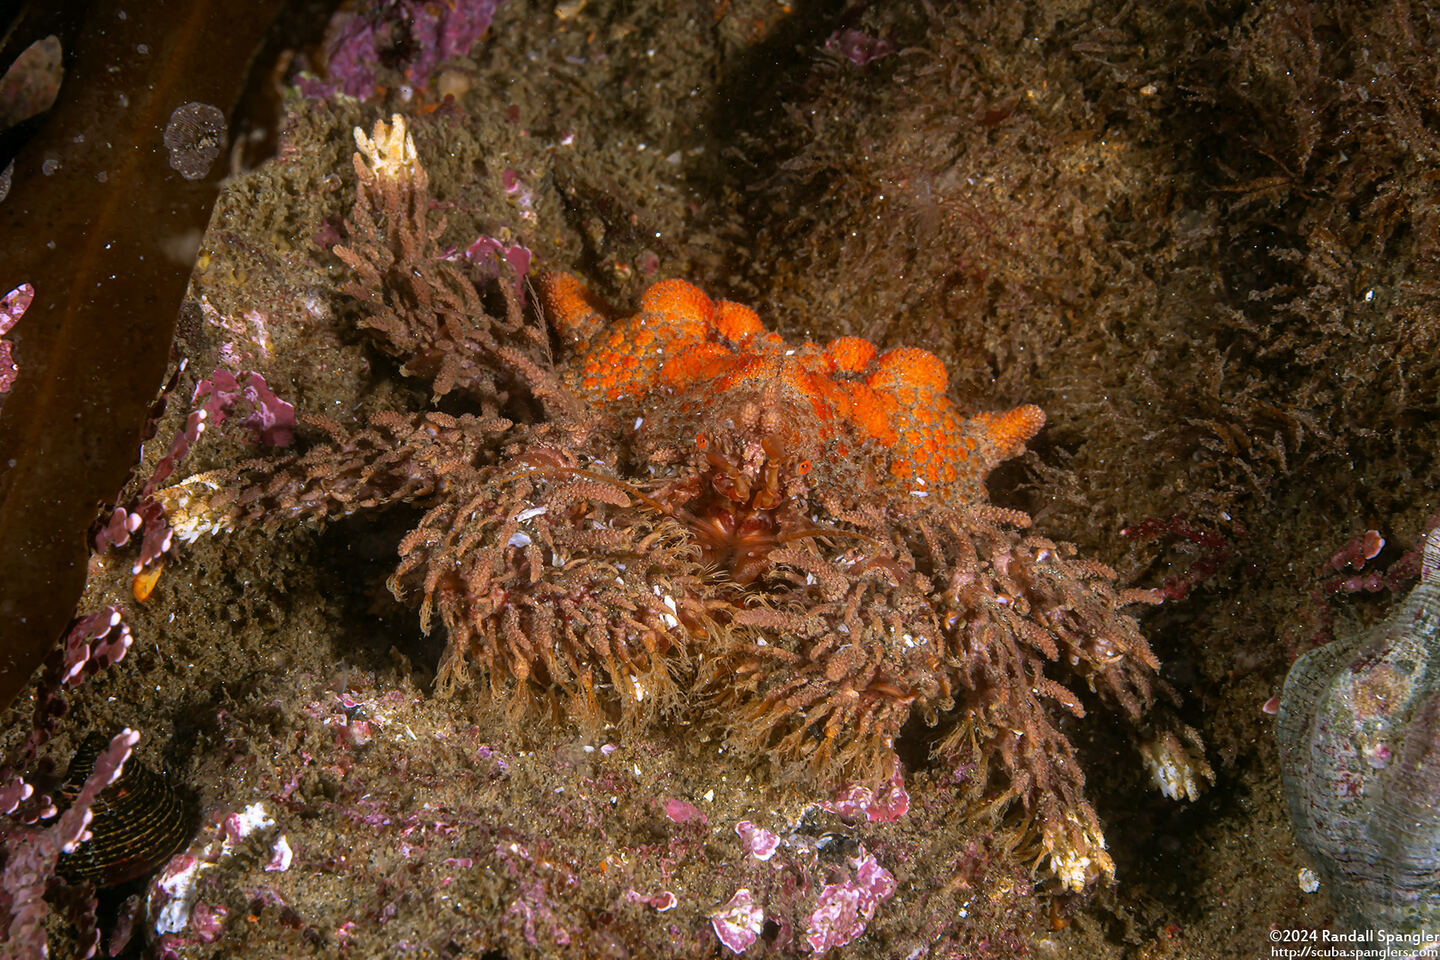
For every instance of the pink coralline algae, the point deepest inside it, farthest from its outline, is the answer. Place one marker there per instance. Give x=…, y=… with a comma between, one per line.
x=281, y=856
x=177, y=915
x=50, y=862
x=536, y=917
x=761, y=843
x=97, y=641
x=31, y=855
x=661, y=901
x=492, y=256
x=421, y=33
x=845, y=908
x=739, y=922
x=271, y=420
x=247, y=336
x=682, y=811
x=93, y=643
x=857, y=46
x=268, y=418
x=1360, y=550
x=858, y=802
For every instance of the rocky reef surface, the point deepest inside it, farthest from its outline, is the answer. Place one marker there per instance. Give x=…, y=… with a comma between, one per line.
x=1205, y=252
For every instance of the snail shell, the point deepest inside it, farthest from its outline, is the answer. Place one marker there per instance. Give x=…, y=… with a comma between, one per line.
x=137, y=823
x=1359, y=737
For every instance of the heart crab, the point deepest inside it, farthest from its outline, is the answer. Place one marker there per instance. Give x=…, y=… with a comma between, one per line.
x=690, y=518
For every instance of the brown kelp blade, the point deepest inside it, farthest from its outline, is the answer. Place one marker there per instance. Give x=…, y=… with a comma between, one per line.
x=93, y=202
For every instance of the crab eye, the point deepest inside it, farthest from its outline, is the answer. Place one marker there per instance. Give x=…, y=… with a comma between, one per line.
x=702, y=442
x=802, y=468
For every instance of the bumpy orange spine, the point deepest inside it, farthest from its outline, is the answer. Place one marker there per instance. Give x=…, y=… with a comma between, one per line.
x=574, y=311
x=1009, y=430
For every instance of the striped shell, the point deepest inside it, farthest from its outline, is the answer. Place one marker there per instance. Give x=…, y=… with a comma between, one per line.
x=137, y=823
x=1359, y=737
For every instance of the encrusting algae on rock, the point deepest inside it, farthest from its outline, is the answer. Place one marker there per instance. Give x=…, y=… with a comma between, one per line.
x=678, y=515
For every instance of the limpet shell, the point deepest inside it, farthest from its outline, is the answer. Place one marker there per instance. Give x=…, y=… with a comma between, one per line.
x=137, y=823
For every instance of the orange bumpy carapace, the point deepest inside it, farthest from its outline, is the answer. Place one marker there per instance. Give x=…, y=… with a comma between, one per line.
x=681, y=342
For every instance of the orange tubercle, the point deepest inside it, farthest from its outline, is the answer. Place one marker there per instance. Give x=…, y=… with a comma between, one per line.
x=736, y=322
x=678, y=302
x=909, y=368
x=850, y=354
x=695, y=363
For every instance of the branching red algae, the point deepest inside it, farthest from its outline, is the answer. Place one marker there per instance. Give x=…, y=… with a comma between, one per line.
x=789, y=545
